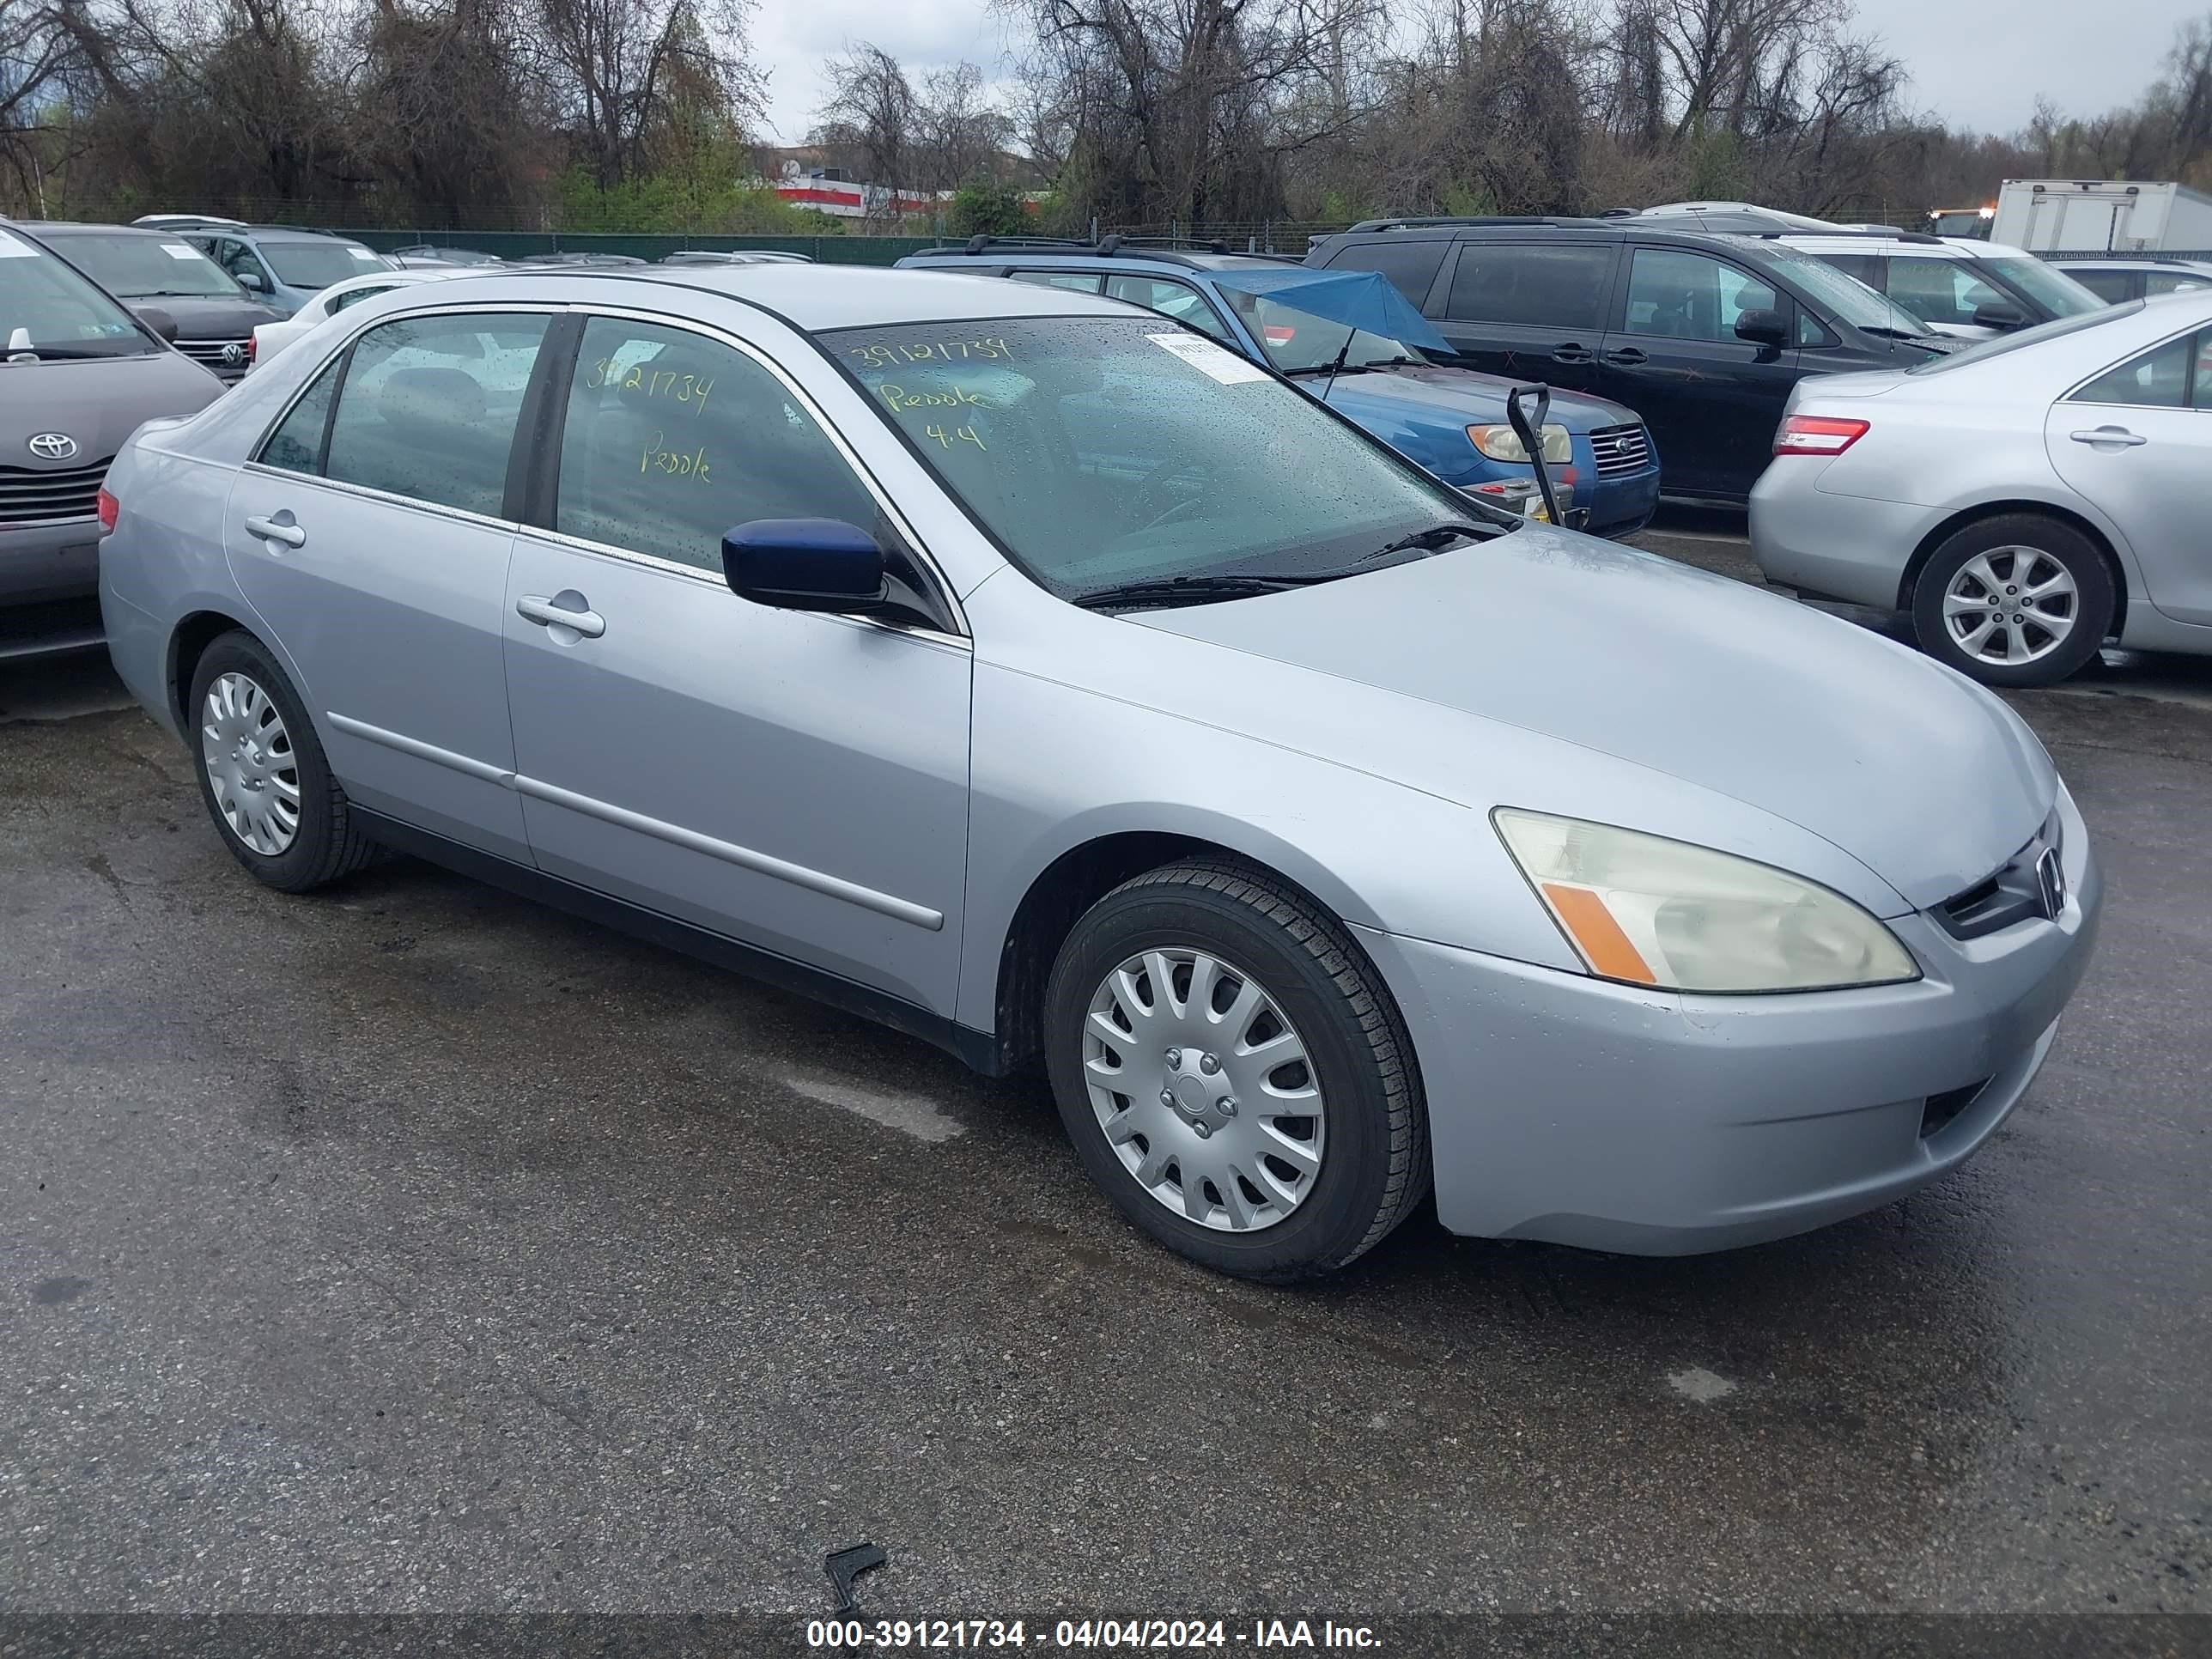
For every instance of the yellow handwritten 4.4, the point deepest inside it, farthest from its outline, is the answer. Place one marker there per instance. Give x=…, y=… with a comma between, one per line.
x=961, y=434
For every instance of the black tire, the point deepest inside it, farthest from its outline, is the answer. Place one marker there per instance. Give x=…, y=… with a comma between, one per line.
x=2094, y=606
x=326, y=844
x=1375, y=1164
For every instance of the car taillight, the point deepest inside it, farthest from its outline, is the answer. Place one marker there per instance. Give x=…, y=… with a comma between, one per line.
x=109, y=509
x=1817, y=434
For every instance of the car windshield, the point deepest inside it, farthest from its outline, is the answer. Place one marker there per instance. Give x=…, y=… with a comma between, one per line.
x=1982, y=351
x=1100, y=452
x=48, y=309
x=2053, y=289
x=138, y=266
x=1298, y=342
x=1846, y=297
x=319, y=263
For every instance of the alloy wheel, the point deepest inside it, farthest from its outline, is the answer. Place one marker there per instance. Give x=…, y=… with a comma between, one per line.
x=2011, y=605
x=1204, y=1089
x=250, y=763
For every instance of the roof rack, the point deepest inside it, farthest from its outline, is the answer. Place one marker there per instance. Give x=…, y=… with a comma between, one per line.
x=1848, y=232
x=1450, y=219
x=308, y=230
x=1114, y=243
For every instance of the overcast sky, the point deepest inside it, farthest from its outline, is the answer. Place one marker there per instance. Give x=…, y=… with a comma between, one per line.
x=1978, y=63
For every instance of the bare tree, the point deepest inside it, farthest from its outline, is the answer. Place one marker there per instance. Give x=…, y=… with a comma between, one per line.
x=609, y=68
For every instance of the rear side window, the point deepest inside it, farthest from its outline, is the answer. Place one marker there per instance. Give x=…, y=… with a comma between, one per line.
x=1515, y=282
x=1412, y=266
x=2157, y=378
x=296, y=445
x=2162, y=282
x=355, y=296
x=2109, y=285
x=428, y=407
x=1679, y=295
x=1075, y=281
x=671, y=439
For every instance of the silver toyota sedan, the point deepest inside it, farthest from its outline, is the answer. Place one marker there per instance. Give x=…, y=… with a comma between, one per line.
x=1026, y=671
x=2021, y=501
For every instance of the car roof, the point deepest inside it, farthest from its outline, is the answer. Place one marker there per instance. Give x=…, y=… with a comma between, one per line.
x=1868, y=241
x=814, y=298
x=76, y=227
x=2092, y=262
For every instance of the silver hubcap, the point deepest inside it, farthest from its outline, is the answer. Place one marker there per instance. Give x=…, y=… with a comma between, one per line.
x=250, y=762
x=1204, y=1089
x=2010, y=605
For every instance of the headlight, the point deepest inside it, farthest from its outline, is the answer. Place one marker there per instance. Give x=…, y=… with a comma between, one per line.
x=1502, y=443
x=1652, y=911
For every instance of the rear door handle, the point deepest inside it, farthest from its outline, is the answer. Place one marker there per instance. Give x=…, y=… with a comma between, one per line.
x=2118, y=436
x=280, y=528
x=546, y=614
x=1627, y=357
x=1571, y=351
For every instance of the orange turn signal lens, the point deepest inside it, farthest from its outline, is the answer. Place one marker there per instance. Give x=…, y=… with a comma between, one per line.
x=1597, y=935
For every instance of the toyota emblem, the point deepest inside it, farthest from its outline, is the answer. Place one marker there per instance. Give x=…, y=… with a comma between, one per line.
x=52, y=445
x=233, y=353
x=2050, y=882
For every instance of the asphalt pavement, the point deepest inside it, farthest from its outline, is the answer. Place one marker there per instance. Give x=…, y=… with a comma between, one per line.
x=412, y=1248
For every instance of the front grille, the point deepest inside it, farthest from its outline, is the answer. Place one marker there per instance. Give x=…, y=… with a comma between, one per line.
x=215, y=355
x=1621, y=449
x=2015, y=891
x=66, y=492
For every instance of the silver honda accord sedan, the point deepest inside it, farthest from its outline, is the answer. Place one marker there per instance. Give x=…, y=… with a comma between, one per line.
x=1025, y=671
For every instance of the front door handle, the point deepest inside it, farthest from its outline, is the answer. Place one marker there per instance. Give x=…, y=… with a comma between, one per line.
x=1571, y=351
x=550, y=613
x=2118, y=436
x=280, y=528
x=1627, y=357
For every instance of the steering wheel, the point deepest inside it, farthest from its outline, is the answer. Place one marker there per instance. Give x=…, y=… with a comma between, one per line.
x=1143, y=504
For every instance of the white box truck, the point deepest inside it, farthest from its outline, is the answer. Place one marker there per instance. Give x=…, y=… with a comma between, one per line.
x=2097, y=216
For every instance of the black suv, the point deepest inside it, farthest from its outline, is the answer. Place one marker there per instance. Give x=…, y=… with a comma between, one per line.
x=149, y=270
x=1703, y=335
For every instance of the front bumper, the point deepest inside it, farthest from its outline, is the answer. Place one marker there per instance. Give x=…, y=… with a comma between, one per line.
x=1622, y=505
x=56, y=560
x=1852, y=547
x=1570, y=1109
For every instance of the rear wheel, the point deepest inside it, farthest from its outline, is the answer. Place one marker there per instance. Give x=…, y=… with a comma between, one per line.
x=263, y=775
x=1233, y=1075
x=2019, y=600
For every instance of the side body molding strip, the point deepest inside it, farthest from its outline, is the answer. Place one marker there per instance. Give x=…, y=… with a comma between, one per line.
x=676, y=834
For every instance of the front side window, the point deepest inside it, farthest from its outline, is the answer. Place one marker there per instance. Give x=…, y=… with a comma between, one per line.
x=671, y=439
x=1676, y=295
x=2157, y=378
x=430, y=404
x=48, y=309
x=1104, y=450
x=1942, y=291
x=1075, y=281
x=1518, y=283
x=1171, y=298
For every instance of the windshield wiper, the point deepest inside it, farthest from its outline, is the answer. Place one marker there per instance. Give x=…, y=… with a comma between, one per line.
x=1329, y=369
x=1178, y=590
x=1922, y=338
x=1434, y=539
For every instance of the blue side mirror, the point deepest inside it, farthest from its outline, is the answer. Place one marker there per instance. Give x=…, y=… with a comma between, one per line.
x=803, y=564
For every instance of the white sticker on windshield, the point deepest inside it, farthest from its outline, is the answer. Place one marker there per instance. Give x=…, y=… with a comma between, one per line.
x=12, y=249
x=1209, y=359
x=180, y=250
x=360, y=254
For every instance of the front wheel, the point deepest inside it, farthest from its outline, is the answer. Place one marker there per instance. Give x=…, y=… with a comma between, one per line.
x=2017, y=600
x=1233, y=1074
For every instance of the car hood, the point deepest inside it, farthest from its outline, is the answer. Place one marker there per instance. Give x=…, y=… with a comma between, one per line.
x=98, y=403
x=200, y=318
x=1466, y=394
x=1922, y=776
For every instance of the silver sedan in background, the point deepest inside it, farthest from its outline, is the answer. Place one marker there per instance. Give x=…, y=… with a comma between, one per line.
x=1026, y=671
x=2021, y=501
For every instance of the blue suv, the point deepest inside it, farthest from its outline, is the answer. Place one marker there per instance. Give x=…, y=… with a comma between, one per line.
x=1450, y=421
x=284, y=266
